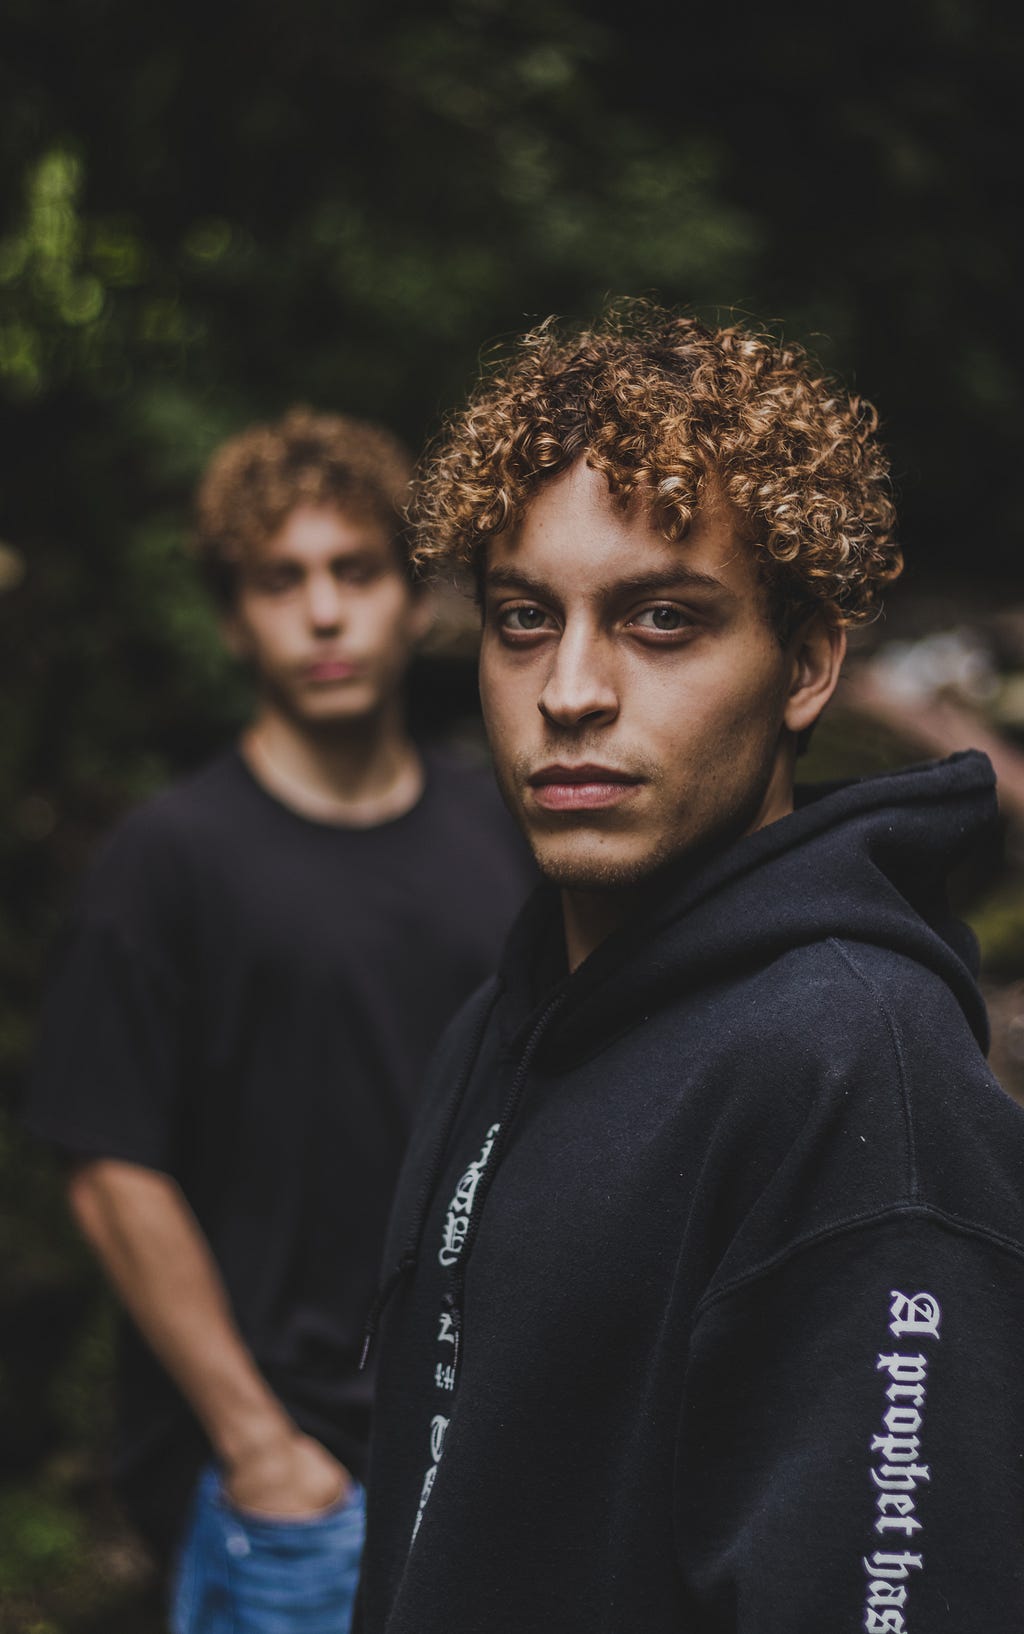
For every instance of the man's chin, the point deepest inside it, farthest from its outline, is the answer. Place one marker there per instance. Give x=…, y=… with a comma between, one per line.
x=327, y=707
x=587, y=870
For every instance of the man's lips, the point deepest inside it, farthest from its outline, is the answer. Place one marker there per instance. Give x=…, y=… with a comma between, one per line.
x=330, y=669
x=581, y=788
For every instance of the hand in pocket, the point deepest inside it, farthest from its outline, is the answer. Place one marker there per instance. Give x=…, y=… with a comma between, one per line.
x=294, y=1476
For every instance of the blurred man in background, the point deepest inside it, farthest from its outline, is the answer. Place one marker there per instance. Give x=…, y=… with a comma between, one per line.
x=258, y=966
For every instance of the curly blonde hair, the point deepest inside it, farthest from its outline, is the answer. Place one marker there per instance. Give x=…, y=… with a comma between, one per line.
x=257, y=478
x=662, y=405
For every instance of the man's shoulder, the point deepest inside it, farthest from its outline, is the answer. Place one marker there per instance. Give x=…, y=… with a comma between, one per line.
x=852, y=1042
x=851, y=1082
x=838, y=988
x=211, y=790
x=156, y=839
x=877, y=1019
x=894, y=1044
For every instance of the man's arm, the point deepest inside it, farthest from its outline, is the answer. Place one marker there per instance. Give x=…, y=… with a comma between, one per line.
x=851, y=1452
x=152, y=1249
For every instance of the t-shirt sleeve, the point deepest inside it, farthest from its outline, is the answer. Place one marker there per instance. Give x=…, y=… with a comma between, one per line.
x=110, y=1049
x=851, y=1447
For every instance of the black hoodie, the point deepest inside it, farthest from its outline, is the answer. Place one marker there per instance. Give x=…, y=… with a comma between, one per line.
x=707, y=1304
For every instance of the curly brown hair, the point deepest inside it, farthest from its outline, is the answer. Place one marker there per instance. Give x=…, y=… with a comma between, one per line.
x=665, y=406
x=257, y=478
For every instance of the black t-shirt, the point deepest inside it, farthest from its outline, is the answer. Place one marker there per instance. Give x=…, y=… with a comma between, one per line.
x=245, y=999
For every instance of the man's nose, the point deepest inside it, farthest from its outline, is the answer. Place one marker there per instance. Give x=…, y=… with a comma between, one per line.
x=325, y=603
x=580, y=688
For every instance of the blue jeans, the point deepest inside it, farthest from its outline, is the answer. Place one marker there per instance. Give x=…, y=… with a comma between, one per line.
x=238, y=1573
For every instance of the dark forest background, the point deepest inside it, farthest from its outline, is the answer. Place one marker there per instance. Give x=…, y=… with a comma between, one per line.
x=209, y=212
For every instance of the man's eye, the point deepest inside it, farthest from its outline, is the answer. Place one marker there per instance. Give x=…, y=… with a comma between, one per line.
x=522, y=620
x=355, y=571
x=665, y=619
x=274, y=580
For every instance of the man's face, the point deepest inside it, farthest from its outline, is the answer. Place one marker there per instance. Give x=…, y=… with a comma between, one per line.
x=635, y=694
x=326, y=614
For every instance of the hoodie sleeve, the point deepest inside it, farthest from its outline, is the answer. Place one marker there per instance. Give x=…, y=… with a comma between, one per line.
x=851, y=1444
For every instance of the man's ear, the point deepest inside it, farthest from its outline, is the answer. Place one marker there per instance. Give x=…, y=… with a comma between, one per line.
x=818, y=648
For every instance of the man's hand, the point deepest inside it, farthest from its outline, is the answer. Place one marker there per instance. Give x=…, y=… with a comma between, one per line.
x=290, y=1474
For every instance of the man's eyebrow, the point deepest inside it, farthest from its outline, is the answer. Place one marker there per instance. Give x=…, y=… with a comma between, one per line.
x=679, y=577
x=509, y=578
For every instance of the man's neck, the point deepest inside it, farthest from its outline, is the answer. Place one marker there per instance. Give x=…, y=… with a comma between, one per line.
x=589, y=917
x=354, y=773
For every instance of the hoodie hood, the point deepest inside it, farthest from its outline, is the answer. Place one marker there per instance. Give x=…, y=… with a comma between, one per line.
x=865, y=861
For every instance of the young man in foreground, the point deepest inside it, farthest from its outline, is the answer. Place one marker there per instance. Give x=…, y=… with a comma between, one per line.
x=708, y=1253
x=259, y=966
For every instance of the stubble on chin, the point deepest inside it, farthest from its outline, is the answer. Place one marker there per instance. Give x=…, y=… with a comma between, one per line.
x=588, y=870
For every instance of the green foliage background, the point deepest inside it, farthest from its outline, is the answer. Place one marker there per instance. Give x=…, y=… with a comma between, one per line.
x=210, y=212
